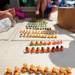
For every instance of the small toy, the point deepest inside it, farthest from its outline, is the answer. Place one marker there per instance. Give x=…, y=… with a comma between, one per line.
x=8, y=71
x=53, y=49
x=37, y=50
x=55, y=71
x=33, y=42
x=31, y=69
x=27, y=49
x=33, y=50
x=16, y=71
x=61, y=48
x=61, y=71
x=43, y=43
x=38, y=43
x=49, y=43
x=53, y=43
x=39, y=70
x=46, y=71
x=68, y=70
x=57, y=48
x=45, y=50
x=48, y=49
x=42, y=49
x=24, y=68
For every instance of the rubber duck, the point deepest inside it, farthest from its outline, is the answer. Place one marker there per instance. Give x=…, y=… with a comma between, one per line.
x=8, y=71
x=61, y=71
x=68, y=70
x=61, y=48
x=42, y=49
x=31, y=69
x=46, y=71
x=27, y=49
x=55, y=71
x=38, y=43
x=33, y=50
x=39, y=70
x=49, y=43
x=41, y=42
x=24, y=68
x=53, y=49
x=45, y=50
x=57, y=49
x=16, y=71
x=48, y=49
x=37, y=50
x=53, y=43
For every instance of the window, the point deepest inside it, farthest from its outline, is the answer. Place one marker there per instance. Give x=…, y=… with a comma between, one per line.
x=27, y=3
x=70, y=3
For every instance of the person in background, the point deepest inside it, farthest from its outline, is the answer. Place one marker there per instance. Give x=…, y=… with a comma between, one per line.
x=44, y=8
x=61, y=3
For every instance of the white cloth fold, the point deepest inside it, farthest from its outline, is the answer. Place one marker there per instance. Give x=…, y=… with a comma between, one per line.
x=5, y=24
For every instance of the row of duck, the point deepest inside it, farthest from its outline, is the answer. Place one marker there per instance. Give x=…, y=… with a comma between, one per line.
x=38, y=70
x=42, y=31
x=39, y=49
x=32, y=35
x=44, y=46
x=52, y=42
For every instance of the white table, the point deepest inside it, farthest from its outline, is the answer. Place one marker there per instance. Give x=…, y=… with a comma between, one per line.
x=11, y=53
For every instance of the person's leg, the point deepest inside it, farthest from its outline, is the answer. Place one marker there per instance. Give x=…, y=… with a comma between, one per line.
x=43, y=6
x=48, y=11
x=38, y=7
x=53, y=14
x=49, y=15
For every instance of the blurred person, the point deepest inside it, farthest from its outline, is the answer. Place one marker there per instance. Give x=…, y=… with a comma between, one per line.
x=61, y=3
x=44, y=8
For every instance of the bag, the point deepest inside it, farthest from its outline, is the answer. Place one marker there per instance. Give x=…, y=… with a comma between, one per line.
x=20, y=14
